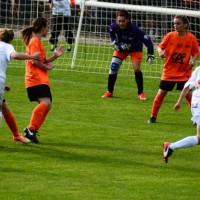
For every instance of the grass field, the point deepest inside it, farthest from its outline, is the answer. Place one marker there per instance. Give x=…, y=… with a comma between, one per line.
x=97, y=149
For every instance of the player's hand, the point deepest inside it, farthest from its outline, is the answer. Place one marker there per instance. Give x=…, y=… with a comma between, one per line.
x=177, y=107
x=59, y=51
x=191, y=63
x=150, y=59
x=116, y=47
x=162, y=54
x=7, y=88
x=36, y=56
x=49, y=66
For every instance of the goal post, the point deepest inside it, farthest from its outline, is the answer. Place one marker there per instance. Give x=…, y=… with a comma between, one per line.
x=92, y=52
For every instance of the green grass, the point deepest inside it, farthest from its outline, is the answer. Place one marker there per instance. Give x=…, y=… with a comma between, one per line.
x=93, y=148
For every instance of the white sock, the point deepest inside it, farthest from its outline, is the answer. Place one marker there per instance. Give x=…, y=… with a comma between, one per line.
x=189, y=141
x=0, y=117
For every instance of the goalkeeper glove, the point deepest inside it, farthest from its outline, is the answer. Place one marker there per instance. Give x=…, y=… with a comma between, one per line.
x=150, y=59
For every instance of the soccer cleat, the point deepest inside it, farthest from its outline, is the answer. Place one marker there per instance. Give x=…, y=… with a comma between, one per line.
x=53, y=47
x=167, y=152
x=31, y=135
x=151, y=120
x=69, y=48
x=21, y=139
x=107, y=94
x=142, y=96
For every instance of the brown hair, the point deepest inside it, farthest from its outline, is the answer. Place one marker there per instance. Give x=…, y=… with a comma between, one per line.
x=184, y=19
x=36, y=27
x=6, y=35
x=123, y=13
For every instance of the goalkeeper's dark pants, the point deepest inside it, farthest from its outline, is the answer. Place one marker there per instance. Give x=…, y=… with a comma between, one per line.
x=61, y=23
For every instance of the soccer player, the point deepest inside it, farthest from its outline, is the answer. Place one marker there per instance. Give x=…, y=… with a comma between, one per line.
x=36, y=76
x=128, y=39
x=61, y=13
x=189, y=141
x=7, y=54
x=179, y=49
x=11, y=122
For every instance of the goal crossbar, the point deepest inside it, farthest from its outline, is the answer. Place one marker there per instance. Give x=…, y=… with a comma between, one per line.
x=158, y=10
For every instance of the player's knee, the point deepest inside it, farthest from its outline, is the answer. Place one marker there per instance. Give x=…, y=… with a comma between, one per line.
x=115, y=65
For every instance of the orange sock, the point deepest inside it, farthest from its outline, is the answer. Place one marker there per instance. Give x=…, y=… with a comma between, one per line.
x=38, y=116
x=189, y=98
x=156, y=105
x=11, y=122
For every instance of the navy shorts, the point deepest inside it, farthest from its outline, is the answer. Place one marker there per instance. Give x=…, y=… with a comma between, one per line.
x=38, y=91
x=169, y=85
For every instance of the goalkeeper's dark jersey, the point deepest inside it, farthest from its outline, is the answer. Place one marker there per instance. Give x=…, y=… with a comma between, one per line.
x=132, y=36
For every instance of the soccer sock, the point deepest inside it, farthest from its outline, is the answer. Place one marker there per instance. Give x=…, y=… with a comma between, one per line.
x=189, y=141
x=11, y=122
x=189, y=98
x=139, y=81
x=38, y=116
x=156, y=105
x=111, y=82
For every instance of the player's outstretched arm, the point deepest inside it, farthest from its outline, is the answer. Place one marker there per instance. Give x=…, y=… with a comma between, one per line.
x=57, y=53
x=23, y=56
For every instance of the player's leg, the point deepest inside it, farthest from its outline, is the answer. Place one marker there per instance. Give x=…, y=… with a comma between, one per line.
x=112, y=77
x=68, y=33
x=41, y=94
x=164, y=87
x=186, y=142
x=1, y=100
x=11, y=123
x=136, y=58
x=189, y=141
x=56, y=30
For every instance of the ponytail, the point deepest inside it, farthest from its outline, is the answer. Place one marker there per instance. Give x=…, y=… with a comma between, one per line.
x=36, y=27
x=26, y=34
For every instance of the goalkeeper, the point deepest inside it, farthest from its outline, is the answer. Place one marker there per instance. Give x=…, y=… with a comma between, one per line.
x=128, y=39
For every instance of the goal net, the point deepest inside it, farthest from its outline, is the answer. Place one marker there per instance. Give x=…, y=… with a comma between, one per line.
x=90, y=20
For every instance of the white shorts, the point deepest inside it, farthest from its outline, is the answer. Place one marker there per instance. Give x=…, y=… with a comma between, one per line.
x=195, y=109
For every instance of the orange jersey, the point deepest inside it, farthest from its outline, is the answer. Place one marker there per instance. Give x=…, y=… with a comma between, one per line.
x=34, y=75
x=178, y=52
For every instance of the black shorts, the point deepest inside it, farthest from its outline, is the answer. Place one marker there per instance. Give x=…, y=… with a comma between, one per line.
x=169, y=85
x=38, y=91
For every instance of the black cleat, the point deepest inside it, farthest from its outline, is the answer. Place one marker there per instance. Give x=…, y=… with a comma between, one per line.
x=151, y=120
x=31, y=135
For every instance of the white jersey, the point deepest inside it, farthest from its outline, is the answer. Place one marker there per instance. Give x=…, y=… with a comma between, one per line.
x=5, y=51
x=61, y=7
x=194, y=81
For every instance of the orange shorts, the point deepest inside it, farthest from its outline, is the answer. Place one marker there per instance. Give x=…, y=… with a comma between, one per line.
x=135, y=56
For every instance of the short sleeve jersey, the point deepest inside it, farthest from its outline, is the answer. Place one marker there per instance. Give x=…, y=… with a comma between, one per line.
x=178, y=53
x=34, y=75
x=5, y=51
